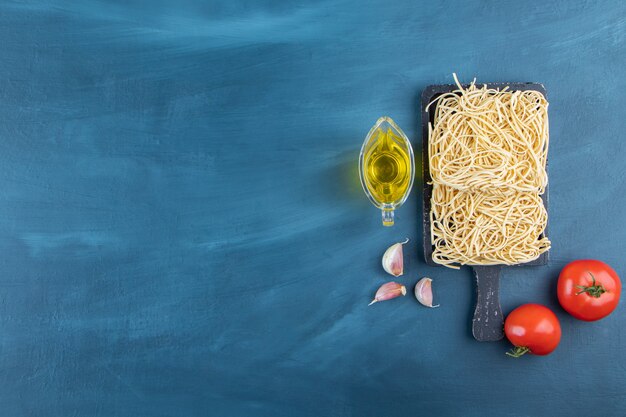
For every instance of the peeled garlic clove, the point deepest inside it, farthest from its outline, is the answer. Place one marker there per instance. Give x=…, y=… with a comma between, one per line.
x=388, y=291
x=393, y=261
x=424, y=292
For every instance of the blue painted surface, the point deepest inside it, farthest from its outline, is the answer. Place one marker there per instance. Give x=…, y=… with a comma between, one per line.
x=182, y=231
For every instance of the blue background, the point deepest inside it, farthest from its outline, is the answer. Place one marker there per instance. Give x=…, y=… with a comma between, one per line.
x=183, y=233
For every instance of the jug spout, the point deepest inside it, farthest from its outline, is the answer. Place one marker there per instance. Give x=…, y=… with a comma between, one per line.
x=387, y=216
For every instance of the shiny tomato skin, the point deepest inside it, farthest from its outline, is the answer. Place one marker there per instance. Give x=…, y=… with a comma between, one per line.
x=535, y=327
x=585, y=306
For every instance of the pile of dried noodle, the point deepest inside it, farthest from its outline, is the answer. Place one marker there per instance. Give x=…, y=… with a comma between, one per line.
x=487, y=155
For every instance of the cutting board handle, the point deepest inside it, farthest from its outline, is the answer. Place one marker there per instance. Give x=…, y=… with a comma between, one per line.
x=488, y=323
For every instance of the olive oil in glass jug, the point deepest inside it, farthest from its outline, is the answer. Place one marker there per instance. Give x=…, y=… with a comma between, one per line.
x=386, y=167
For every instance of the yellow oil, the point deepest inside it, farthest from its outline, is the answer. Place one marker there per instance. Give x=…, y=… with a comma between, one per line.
x=387, y=168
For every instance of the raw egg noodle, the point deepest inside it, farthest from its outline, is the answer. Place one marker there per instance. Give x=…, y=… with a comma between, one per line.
x=487, y=156
x=490, y=140
x=473, y=228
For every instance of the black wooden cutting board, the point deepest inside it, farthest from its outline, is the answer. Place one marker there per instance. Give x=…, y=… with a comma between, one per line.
x=488, y=322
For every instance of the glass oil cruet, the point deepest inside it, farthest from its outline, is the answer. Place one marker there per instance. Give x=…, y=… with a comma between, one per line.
x=386, y=167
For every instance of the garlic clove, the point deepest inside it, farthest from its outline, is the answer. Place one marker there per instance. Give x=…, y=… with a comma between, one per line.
x=424, y=292
x=388, y=291
x=393, y=261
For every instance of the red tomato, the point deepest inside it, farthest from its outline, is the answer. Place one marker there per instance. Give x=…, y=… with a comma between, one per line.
x=532, y=328
x=588, y=290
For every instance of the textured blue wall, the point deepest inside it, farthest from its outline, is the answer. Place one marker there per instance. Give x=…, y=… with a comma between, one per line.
x=182, y=230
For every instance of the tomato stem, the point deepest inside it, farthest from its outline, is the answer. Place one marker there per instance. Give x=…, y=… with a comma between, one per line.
x=593, y=290
x=518, y=351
